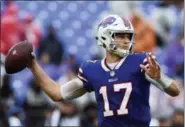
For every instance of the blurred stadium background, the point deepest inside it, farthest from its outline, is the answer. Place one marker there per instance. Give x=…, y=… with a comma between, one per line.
x=62, y=33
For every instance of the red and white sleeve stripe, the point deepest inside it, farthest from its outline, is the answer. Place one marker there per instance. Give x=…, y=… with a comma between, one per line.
x=80, y=75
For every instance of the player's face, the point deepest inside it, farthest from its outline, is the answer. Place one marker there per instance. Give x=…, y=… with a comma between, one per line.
x=122, y=40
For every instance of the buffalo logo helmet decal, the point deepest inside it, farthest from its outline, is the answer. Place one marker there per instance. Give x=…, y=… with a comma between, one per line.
x=107, y=21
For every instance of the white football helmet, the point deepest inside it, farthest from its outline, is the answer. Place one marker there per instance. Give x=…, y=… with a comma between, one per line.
x=108, y=27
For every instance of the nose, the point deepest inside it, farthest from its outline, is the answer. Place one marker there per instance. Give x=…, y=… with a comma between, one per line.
x=126, y=39
x=126, y=42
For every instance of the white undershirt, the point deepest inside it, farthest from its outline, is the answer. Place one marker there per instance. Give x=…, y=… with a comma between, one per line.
x=112, y=65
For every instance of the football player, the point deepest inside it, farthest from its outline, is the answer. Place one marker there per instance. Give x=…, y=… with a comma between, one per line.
x=120, y=81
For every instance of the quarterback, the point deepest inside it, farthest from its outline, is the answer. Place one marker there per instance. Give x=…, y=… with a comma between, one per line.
x=120, y=81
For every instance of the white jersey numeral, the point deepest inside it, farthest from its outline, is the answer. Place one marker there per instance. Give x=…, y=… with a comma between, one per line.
x=128, y=89
x=107, y=112
x=123, y=107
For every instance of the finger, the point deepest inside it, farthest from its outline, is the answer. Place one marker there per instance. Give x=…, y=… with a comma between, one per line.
x=157, y=66
x=153, y=61
x=148, y=60
x=143, y=67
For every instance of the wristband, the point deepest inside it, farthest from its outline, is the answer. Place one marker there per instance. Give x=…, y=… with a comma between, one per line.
x=165, y=81
x=162, y=83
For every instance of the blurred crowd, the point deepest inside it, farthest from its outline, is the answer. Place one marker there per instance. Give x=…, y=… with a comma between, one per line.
x=159, y=29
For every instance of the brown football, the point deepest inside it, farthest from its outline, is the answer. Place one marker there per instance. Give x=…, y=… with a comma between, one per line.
x=18, y=56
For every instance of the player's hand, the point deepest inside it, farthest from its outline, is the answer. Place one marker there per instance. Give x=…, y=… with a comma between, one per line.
x=152, y=68
x=31, y=63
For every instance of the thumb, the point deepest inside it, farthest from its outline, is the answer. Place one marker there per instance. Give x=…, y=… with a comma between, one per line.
x=33, y=55
x=143, y=67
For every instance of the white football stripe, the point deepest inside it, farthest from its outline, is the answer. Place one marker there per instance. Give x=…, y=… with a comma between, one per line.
x=82, y=78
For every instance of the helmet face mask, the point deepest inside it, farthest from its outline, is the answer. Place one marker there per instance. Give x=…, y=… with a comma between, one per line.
x=108, y=28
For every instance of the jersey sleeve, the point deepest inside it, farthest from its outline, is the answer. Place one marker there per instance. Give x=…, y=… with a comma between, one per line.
x=84, y=77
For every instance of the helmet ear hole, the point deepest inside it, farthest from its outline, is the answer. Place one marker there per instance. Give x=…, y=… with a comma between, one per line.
x=103, y=38
x=113, y=35
x=104, y=45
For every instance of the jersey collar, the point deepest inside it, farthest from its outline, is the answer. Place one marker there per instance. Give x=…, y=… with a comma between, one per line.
x=106, y=68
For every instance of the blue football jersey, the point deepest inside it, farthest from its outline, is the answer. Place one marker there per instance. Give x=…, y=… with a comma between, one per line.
x=122, y=95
